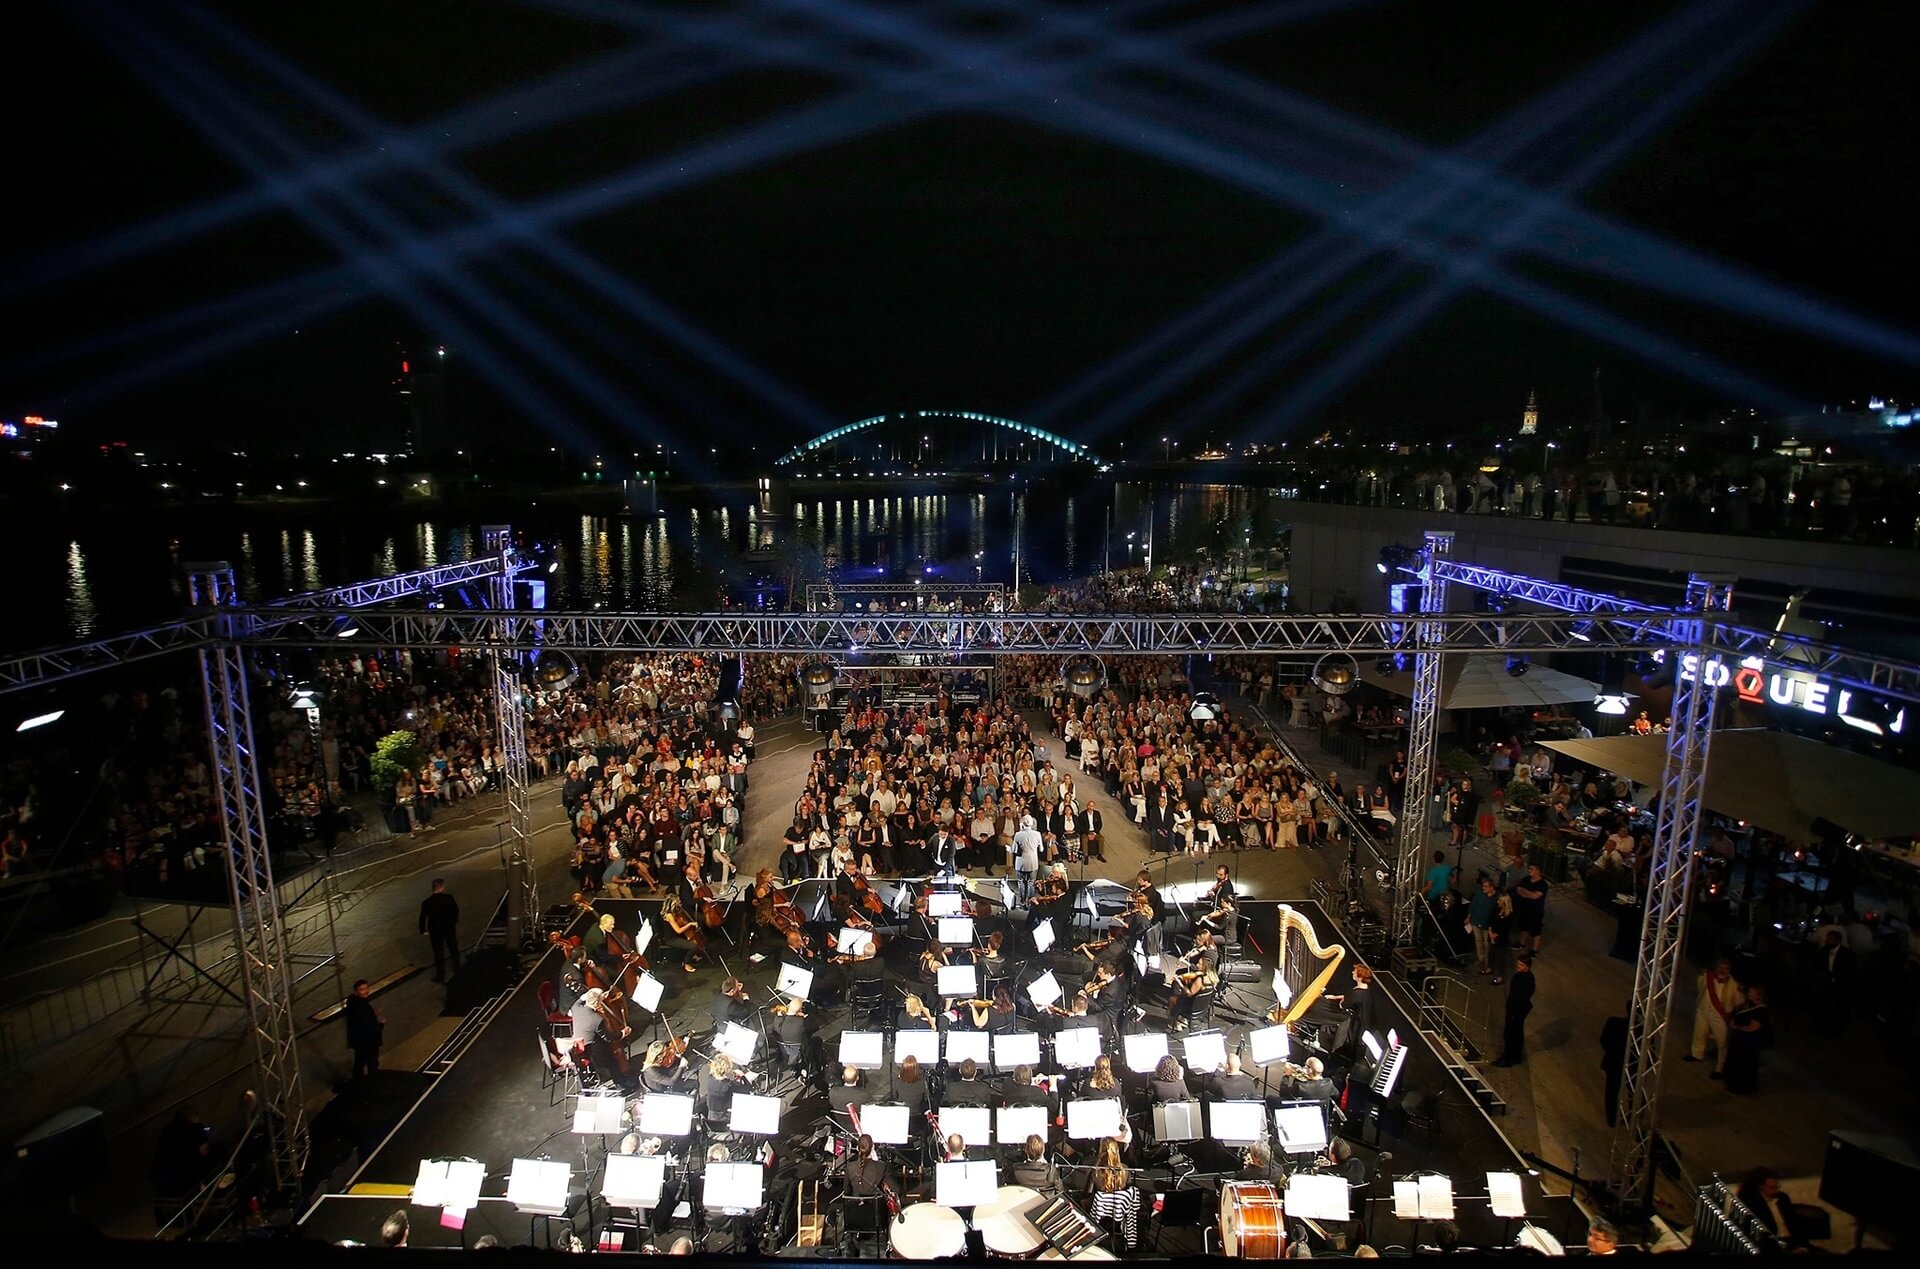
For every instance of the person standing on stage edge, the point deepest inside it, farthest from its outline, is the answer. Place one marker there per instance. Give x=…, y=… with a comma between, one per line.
x=1519, y=1005
x=365, y=1029
x=439, y=915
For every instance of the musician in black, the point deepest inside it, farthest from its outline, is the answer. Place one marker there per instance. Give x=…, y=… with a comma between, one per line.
x=1223, y=906
x=590, y=1035
x=732, y=1004
x=850, y=1093
x=719, y=1081
x=1035, y=1170
x=1021, y=1090
x=867, y=1173
x=1234, y=1084
x=1309, y=1083
x=967, y=1088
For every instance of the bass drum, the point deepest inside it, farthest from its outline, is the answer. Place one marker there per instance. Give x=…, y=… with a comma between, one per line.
x=1252, y=1222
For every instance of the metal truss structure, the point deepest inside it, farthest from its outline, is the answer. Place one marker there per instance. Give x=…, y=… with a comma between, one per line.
x=1683, y=784
x=510, y=715
x=259, y=926
x=949, y=633
x=1423, y=725
x=486, y=567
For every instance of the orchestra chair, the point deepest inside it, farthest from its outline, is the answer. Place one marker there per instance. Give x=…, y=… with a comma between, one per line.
x=1177, y=1208
x=547, y=1006
x=557, y=1069
x=863, y=1225
x=865, y=997
x=1418, y=1110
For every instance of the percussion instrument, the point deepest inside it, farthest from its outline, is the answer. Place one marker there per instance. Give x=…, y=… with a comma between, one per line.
x=928, y=1231
x=1252, y=1222
x=1003, y=1225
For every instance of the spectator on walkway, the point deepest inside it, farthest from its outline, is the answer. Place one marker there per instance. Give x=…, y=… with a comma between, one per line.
x=365, y=1029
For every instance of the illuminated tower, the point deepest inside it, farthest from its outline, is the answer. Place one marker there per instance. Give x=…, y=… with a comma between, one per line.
x=1530, y=421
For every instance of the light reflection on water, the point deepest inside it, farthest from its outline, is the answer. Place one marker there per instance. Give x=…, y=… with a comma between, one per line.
x=110, y=581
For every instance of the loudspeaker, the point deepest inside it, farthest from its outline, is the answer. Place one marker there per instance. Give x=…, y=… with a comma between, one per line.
x=1243, y=972
x=1872, y=1179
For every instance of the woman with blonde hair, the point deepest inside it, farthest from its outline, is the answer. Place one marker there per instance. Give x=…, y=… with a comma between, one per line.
x=1116, y=1203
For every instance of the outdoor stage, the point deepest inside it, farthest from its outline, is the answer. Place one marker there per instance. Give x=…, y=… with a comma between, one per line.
x=488, y=1103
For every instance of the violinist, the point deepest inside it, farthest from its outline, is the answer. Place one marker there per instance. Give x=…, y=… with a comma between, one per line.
x=718, y=1083
x=855, y=899
x=914, y=1015
x=1188, y=988
x=1103, y=997
x=666, y=1069
x=991, y=956
x=1049, y=896
x=936, y=957
x=792, y=1030
x=732, y=1004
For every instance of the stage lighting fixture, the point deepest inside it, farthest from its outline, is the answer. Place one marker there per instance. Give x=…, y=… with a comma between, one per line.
x=1582, y=630
x=1610, y=703
x=818, y=676
x=1502, y=603
x=1612, y=697
x=345, y=628
x=1336, y=673
x=1645, y=665
x=1083, y=673
x=1386, y=665
x=1206, y=707
x=1516, y=666
x=305, y=696
x=40, y=720
x=1396, y=558
x=555, y=670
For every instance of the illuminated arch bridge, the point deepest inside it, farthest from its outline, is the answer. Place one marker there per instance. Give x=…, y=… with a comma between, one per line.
x=1072, y=449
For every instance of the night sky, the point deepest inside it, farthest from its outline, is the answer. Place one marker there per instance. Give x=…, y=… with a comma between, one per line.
x=635, y=224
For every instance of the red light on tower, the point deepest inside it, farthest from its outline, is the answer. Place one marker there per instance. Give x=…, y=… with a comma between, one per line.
x=405, y=369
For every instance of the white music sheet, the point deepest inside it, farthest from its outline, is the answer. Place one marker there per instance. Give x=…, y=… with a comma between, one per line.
x=1077, y=1048
x=1505, y=1193
x=1015, y=1048
x=962, y=1045
x=1270, y=1044
x=1205, y=1051
x=753, y=1113
x=887, y=1125
x=966, y=1184
x=634, y=1180
x=737, y=1042
x=1282, y=992
x=1177, y=1121
x=920, y=1043
x=666, y=1115
x=956, y=930
x=862, y=1049
x=1091, y=1120
x=1301, y=1128
x=974, y=1124
x=852, y=942
x=598, y=1115
x=943, y=903
x=794, y=981
x=1043, y=936
x=643, y=937
x=734, y=1187
x=1144, y=1050
x=539, y=1186
x=1237, y=1123
x=453, y=1184
x=1014, y=1124
x=957, y=981
x=647, y=991
x=1319, y=1198
x=1044, y=990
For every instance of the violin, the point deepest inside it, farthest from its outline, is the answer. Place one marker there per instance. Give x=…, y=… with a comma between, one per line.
x=674, y=1049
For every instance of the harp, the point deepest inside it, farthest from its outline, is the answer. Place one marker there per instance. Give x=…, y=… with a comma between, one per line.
x=1306, y=965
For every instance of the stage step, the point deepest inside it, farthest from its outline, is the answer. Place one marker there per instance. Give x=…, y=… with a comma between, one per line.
x=1482, y=1092
x=454, y=1045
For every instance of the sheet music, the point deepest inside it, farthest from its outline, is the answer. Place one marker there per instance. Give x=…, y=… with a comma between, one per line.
x=852, y=942
x=1373, y=1045
x=1043, y=936
x=643, y=938
x=1406, y=1200
x=453, y=1184
x=634, y=1180
x=944, y=903
x=974, y=1124
x=1014, y=1124
x=1301, y=1128
x=956, y=930
x=647, y=991
x=737, y=1042
x=1015, y=1048
x=1091, y=1120
x=734, y=1187
x=1505, y=1193
x=1436, y=1198
x=1238, y=1123
x=598, y=1115
x=966, y=1184
x=1282, y=992
x=753, y=1113
x=1177, y=1121
x=887, y=1125
x=862, y=1049
x=1205, y=1051
x=794, y=981
x=1044, y=990
x=1270, y=1044
x=1323, y=1198
x=666, y=1115
x=920, y=1043
x=962, y=1045
x=539, y=1185
x=957, y=981
x=1077, y=1047
x=1144, y=1050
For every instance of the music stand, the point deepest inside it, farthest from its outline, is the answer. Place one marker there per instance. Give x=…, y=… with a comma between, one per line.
x=1012, y=1125
x=1425, y=1198
x=452, y=1185
x=1270, y=1044
x=734, y=1187
x=956, y=931
x=1322, y=1198
x=973, y=1124
x=794, y=981
x=1371, y=1044
x=961, y=1045
x=643, y=937
x=1044, y=990
x=598, y=1114
x=1140, y=960
x=754, y=1114
x=666, y=1115
x=1143, y=1050
x=634, y=1180
x=920, y=1043
x=1077, y=1047
x=1505, y=1194
x=966, y=1183
x=887, y=1125
x=1206, y=1051
x=538, y=1188
x=1301, y=1127
x=862, y=1049
x=737, y=1042
x=647, y=991
x=944, y=903
x=1043, y=936
x=1013, y=1049
x=1237, y=1123
x=852, y=942
x=1089, y=1120
x=1177, y=1121
x=957, y=980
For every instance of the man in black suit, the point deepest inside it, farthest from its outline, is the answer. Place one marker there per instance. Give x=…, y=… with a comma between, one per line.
x=1519, y=1005
x=1312, y=1085
x=1089, y=824
x=1234, y=1084
x=439, y=915
x=850, y=1093
x=1021, y=1090
x=968, y=1089
x=1836, y=983
x=365, y=1030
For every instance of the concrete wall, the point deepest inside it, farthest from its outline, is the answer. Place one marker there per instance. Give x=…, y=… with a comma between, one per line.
x=1337, y=548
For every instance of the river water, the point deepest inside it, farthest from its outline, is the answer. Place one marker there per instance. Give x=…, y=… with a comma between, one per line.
x=88, y=579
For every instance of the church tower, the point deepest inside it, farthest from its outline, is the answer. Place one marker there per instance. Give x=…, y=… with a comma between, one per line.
x=1530, y=421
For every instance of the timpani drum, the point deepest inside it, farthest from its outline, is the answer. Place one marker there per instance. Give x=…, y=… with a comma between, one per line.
x=1003, y=1225
x=1252, y=1222
x=928, y=1231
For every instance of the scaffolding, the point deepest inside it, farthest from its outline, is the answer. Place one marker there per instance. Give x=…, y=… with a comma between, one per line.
x=1423, y=726
x=510, y=715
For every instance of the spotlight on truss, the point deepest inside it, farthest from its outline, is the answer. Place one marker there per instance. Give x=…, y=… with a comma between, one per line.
x=1395, y=558
x=1083, y=673
x=1871, y=714
x=555, y=670
x=1516, y=666
x=1206, y=707
x=1336, y=673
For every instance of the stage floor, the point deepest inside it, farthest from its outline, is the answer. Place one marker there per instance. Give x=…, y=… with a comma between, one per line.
x=489, y=1105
